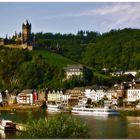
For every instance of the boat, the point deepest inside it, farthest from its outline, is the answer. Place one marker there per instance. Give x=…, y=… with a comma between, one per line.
x=136, y=123
x=53, y=108
x=95, y=111
x=58, y=108
x=7, y=125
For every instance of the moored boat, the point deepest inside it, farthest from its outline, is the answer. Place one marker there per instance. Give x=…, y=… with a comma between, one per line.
x=7, y=125
x=58, y=108
x=53, y=108
x=136, y=123
x=95, y=111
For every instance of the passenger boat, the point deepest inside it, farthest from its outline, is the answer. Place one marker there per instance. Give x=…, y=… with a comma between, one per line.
x=7, y=125
x=58, y=108
x=136, y=123
x=95, y=111
x=53, y=108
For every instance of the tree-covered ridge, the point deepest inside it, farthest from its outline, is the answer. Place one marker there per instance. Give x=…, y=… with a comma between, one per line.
x=20, y=69
x=72, y=46
x=116, y=50
x=53, y=59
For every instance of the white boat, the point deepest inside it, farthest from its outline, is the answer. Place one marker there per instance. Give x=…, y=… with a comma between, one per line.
x=58, y=108
x=95, y=111
x=53, y=108
x=7, y=125
x=136, y=123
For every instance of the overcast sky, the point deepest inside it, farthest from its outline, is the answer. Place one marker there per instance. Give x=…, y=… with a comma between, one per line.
x=68, y=17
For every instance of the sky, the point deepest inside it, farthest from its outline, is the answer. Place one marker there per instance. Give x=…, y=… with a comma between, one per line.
x=68, y=17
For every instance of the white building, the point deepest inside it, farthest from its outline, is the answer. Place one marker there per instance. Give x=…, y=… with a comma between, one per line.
x=25, y=97
x=54, y=95
x=99, y=94
x=90, y=93
x=130, y=72
x=94, y=95
x=133, y=95
x=58, y=96
x=118, y=73
x=74, y=70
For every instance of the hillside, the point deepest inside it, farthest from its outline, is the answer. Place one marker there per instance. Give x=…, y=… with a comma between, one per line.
x=117, y=50
x=53, y=58
x=21, y=69
x=41, y=68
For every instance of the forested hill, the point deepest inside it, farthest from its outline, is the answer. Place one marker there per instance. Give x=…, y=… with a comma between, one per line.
x=44, y=66
x=116, y=50
x=21, y=69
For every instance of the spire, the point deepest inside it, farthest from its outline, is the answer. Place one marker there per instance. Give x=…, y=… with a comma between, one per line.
x=26, y=31
x=23, y=25
x=6, y=36
x=27, y=23
x=15, y=34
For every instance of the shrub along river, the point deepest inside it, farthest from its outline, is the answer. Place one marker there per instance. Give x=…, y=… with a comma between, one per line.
x=100, y=127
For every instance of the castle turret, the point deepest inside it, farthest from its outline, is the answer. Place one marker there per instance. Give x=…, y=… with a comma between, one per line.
x=26, y=32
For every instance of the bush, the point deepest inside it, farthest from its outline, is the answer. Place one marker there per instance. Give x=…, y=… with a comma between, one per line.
x=57, y=126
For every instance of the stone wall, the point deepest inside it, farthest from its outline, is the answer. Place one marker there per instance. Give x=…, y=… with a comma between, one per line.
x=22, y=46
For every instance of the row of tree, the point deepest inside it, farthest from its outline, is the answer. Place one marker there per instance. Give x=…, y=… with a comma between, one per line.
x=22, y=69
x=117, y=49
x=19, y=69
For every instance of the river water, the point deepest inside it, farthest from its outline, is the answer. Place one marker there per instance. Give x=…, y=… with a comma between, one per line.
x=100, y=127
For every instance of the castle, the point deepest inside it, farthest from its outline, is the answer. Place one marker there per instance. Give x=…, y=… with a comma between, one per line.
x=23, y=40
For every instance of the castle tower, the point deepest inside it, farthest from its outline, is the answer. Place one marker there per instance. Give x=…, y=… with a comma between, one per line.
x=26, y=32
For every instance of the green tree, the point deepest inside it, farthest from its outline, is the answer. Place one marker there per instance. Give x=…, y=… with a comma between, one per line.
x=57, y=126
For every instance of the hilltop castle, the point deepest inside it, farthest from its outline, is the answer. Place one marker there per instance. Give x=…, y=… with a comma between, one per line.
x=26, y=32
x=23, y=40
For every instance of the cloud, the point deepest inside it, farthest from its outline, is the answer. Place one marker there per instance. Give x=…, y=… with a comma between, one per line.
x=107, y=15
x=116, y=14
x=108, y=9
x=120, y=11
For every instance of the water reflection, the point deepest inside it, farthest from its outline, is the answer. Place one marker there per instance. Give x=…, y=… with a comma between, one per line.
x=106, y=127
x=99, y=126
x=134, y=127
x=22, y=116
x=4, y=135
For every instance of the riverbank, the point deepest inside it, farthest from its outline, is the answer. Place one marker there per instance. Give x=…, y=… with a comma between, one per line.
x=123, y=111
x=129, y=111
x=20, y=108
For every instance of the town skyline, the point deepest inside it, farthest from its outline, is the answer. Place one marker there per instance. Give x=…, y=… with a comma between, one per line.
x=68, y=17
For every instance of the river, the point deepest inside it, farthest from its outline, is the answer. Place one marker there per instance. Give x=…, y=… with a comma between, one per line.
x=100, y=127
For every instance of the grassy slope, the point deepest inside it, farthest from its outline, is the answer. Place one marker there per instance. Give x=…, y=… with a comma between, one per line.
x=53, y=58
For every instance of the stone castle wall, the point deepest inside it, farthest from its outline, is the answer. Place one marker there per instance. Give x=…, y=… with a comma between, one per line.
x=22, y=46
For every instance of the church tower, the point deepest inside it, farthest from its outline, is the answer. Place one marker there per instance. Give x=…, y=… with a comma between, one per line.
x=26, y=32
